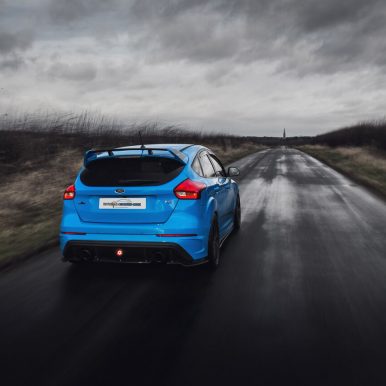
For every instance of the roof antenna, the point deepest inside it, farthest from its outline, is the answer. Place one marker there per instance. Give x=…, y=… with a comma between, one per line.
x=140, y=138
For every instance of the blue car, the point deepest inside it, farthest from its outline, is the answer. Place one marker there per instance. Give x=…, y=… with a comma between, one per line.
x=153, y=203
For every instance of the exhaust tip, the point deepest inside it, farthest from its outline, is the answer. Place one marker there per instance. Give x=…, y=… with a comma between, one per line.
x=159, y=257
x=86, y=255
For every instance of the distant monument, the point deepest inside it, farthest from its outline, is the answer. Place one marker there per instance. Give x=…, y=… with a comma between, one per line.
x=283, y=141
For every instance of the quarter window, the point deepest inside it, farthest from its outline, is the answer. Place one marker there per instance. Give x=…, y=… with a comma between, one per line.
x=217, y=166
x=207, y=167
x=197, y=167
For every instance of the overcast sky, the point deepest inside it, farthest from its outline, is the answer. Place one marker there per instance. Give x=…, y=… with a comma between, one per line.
x=242, y=66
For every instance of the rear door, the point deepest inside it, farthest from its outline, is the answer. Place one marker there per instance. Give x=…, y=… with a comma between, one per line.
x=129, y=190
x=216, y=189
x=228, y=198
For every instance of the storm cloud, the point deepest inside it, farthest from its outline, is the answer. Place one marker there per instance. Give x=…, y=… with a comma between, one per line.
x=238, y=65
x=10, y=42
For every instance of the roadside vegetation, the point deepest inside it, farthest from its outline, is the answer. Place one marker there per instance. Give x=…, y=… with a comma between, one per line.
x=366, y=165
x=359, y=151
x=364, y=134
x=40, y=156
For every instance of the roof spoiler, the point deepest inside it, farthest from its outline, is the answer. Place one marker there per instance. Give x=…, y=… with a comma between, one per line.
x=93, y=154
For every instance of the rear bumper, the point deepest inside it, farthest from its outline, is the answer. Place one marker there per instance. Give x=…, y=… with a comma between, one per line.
x=133, y=252
x=194, y=246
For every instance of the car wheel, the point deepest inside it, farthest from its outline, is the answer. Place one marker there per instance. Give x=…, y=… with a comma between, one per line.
x=214, y=246
x=237, y=215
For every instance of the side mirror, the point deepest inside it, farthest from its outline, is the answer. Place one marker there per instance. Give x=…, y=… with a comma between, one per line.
x=233, y=172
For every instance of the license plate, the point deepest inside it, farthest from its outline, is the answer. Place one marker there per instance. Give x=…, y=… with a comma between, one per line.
x=122, y=203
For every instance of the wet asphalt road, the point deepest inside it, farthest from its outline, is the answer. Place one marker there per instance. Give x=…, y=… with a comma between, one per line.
x=299, y=298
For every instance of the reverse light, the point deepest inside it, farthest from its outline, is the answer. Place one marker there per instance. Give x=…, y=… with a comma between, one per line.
x=189, y=190
x=69, y=193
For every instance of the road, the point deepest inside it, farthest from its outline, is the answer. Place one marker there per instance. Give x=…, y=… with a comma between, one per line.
x=299, y=298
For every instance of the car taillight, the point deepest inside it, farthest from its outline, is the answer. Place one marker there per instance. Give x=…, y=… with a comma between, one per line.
x=69, y=193
x=189, y=190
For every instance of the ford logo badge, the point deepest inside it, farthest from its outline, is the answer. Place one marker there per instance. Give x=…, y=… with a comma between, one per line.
x=120, y=191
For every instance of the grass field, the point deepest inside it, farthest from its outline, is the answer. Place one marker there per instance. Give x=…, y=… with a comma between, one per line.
x=366, y=165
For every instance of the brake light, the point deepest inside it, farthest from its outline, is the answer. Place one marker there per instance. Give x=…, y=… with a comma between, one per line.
x=189, y=190
x=69, y=193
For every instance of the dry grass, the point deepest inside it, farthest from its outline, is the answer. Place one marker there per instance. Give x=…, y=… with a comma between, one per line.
x=364, y=164
x=31, y=200
x=30, y=203
x=370, y=133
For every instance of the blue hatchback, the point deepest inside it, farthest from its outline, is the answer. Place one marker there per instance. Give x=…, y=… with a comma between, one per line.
x=153, y=203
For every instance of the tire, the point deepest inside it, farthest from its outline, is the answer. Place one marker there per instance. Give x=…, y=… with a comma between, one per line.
x=214, y=246
x=237, y=216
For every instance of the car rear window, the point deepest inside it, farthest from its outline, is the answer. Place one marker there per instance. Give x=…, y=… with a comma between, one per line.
x=131, y=171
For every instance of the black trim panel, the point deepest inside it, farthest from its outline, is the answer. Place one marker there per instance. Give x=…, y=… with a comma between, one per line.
x=133, y=252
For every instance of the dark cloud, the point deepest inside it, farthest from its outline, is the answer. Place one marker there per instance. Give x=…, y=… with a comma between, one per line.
x=316, y=15
x=335, y=33
x=186, y=38
x=10, y=42
x=197, y=46
x=73, y=10
x=12, y=62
